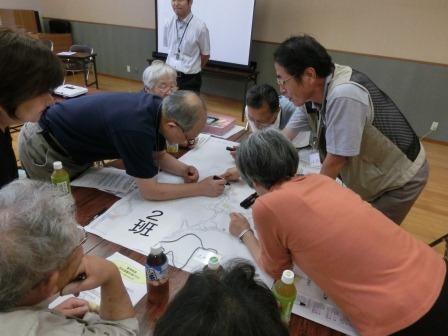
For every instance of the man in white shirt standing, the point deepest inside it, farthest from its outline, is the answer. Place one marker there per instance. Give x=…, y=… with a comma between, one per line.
x=188, y=40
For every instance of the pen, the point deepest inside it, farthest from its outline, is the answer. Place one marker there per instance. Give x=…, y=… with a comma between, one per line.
x=231, y=148
x=216, y=177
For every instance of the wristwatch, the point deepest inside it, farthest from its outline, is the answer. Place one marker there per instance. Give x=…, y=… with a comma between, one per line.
x=241, y=235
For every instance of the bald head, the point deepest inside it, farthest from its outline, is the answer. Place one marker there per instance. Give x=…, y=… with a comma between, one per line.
x=186, y=108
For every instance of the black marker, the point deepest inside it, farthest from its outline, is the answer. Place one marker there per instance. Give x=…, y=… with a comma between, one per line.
x=216, y=177
x=231, y=148
x=248, y=201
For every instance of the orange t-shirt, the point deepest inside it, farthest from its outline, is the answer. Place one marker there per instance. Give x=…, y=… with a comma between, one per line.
x=381, y=277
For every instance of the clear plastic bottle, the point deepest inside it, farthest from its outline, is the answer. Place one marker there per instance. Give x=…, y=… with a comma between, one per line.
x=60, y=178
x=285, y=292
x=157, y=275
x=214, y=266
x=172, y=148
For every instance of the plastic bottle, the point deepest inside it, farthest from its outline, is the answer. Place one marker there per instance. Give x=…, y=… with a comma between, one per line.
x=60, y=178
x=172, y=148
x=285, y=292
x=157, y=275
x=214, y=266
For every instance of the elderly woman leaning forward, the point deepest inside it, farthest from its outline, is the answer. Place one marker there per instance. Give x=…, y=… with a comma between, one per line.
x=383, y=279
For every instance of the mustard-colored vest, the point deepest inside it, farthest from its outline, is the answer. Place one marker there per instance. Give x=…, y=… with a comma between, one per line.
x=390, y=153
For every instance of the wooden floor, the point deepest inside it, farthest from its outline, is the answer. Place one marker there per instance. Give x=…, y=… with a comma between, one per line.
x=428, y=218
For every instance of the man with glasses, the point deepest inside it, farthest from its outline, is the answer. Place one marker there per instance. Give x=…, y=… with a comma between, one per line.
x=42, y=255
x=362, y=136
x=266, y=109
x=133, y=127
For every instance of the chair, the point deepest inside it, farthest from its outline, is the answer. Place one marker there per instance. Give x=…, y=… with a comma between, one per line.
x=77, y=65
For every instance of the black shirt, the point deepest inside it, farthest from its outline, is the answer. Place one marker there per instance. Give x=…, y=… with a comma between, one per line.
x=106, y=126
x=8, y=163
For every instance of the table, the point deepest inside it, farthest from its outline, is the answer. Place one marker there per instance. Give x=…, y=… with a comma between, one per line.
x=91, y=202
x=84, y=59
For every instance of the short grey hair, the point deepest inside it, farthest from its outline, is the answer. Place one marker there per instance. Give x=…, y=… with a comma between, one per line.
x=155, y=71
x=38, y=232
x=267, y=158
x=185, y=107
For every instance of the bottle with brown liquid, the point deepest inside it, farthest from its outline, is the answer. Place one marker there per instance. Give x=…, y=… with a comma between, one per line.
x=157, y=275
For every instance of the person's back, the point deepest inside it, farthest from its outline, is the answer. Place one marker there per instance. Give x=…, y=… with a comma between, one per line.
x=88, y=127
x=377, y=273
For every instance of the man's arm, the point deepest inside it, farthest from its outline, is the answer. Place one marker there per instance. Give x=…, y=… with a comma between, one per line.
x=204, y=60
x=170, y=164
x=290, y=133
x=333, y=165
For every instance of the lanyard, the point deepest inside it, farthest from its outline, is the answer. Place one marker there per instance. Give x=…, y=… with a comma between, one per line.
x=182, y=38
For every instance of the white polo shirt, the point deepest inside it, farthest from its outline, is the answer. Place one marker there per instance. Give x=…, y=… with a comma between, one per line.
x=186, y=39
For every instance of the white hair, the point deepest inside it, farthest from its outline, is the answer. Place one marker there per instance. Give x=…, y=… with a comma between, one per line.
x=155, y=71
x=185, y=107
x=38, y=232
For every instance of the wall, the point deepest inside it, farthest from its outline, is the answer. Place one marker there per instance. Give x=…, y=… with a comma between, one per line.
x=21, y=4
x=365, y=28
x=409, y=29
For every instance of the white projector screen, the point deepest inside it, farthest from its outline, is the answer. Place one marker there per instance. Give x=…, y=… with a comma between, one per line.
x=229, y=23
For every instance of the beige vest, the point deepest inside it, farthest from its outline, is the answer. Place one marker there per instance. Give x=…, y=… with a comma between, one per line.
x=380, y=166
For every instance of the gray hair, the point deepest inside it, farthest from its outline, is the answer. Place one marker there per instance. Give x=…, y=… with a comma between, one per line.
x=185, y=107
x=267, y=158
x=38, y=233
x=155, y=71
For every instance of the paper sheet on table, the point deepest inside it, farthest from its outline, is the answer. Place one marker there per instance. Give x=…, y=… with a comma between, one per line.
x=138, y=224
x=313, y=304
x=132, y=274
x=233, y=131
x=108, y=179
x=66, y=53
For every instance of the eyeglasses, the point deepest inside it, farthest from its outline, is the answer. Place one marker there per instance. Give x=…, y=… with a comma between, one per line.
x=166, y=87
x=282, y=82
x=263, y=124
x=189, y=141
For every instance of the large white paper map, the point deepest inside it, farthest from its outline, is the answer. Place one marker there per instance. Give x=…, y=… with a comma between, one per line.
x=139, y=224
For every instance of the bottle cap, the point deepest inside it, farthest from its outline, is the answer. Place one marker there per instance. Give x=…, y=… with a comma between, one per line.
x=57, y=165
x=156, y=249
x=288, y=277
x=213, y=263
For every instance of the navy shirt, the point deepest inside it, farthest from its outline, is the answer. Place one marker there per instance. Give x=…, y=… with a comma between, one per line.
x=8, y=162
x=109, y=126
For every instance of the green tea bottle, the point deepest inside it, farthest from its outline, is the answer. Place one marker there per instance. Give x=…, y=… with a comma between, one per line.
x=285, y=292
x=60, y=178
